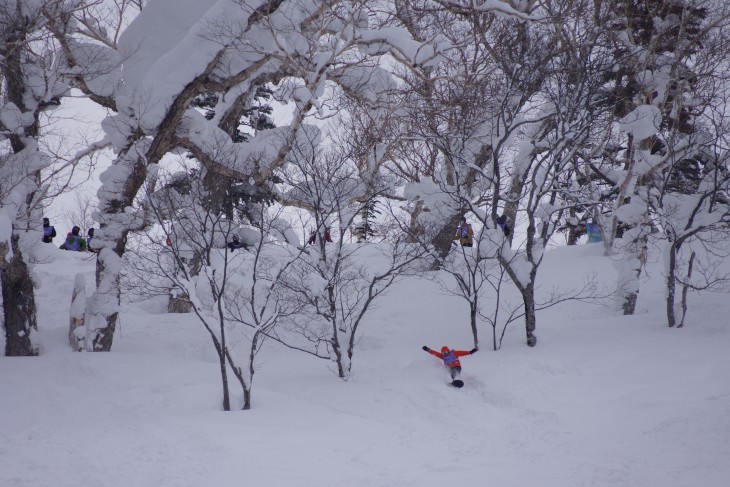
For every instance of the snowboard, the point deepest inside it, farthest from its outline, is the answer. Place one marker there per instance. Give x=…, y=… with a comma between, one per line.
x=457, y=383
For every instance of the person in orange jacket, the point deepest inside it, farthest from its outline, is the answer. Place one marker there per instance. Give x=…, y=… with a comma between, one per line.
x=451, y=358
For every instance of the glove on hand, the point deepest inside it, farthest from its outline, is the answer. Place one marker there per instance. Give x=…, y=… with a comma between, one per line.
x=473, y=351
x=425, y=348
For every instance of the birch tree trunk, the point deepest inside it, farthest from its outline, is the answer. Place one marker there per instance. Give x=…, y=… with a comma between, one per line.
x=78, y=310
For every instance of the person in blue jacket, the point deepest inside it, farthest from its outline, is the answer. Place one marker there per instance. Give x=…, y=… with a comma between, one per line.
x=74, y=241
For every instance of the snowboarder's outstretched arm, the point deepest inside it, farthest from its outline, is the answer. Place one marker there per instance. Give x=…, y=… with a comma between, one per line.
x=433, y=352
x=462, y=353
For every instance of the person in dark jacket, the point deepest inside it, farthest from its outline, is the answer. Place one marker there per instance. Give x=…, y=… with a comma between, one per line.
x=313, y=236
x=236, y=243
x=49, y=231
x=89, y=237
x=504, y=225
x=74, y=241
x=451, y=358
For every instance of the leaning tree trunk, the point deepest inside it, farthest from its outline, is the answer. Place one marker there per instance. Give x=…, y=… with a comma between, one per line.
x=444, y=238
x=527, y=291
x=638, y=254
x=115, y=225
x=19, y=308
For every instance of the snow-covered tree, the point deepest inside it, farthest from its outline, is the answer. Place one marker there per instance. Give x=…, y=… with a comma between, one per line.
x=692, y=208
x=47, y=47
x=231, y=48
x=256, y=298
x=657, y=44
x=337, y=283
x=472, y=271
x=30, y=85
x=232, y=291
x=454, y=117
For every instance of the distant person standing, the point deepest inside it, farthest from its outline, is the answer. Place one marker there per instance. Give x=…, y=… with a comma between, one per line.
x=89, y=237
x=74, y=241
x=464, y=233
x=313, y=236
x=48, y=231
x=594, y=232
x=504, y=225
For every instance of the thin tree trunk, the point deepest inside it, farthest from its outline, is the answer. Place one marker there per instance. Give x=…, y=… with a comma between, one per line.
x=671, y=284
x=528, y=298
x=473, y=318
x=685, y=288
x=335, y=339
x=337, y=349
x=222, y=357
x=224, y=380
x=246, y=399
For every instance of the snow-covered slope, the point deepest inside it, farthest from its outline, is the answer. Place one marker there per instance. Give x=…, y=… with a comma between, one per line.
x=603, y=400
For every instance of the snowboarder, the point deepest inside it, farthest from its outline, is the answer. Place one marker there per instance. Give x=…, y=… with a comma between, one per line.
x=49, y=231
x=464, y=233
x=451, y=361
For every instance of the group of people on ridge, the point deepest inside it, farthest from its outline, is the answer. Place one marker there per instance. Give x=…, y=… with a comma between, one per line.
x=74, y=240
x=313, y=236
x=236, y=243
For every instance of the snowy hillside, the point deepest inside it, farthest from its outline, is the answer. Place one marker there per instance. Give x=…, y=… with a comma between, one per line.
x=603, y=400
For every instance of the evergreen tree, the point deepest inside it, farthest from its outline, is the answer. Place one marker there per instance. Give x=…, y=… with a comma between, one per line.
x=368, y=214
x=234, y=197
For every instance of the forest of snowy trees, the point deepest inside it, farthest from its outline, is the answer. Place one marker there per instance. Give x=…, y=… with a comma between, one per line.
x=271, y=119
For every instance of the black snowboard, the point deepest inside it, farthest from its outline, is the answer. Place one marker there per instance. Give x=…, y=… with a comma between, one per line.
x=457, y=383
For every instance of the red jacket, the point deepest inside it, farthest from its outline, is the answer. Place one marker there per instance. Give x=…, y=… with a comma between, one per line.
x=452, y=358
